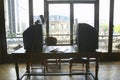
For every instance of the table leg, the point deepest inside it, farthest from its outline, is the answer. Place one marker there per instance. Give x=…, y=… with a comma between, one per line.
x=27, y=65
x=97, y=67
x=16, y=68
x=59, y=63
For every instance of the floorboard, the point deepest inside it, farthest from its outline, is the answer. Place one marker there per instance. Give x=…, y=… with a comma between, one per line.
x=107, y=71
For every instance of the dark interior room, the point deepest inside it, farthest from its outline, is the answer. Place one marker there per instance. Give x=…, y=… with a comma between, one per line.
x=81, y=39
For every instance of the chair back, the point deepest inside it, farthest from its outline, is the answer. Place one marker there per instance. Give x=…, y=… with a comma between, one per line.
x=86, y=38
x=51, y=41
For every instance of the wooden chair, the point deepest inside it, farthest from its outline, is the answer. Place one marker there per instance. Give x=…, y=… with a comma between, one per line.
x=86, y=42
x=51, y=41
x=35, y=63
x=33, y=43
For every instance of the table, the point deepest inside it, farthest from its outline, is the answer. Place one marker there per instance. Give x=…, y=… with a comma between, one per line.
x=65, y=52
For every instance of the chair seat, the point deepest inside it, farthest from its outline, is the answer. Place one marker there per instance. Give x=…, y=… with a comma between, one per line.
x=90, y=59
x=78, y=60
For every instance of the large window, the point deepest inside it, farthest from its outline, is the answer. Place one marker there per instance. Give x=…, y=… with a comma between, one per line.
x=17, y=20
x=104, y=26
x=61, y=17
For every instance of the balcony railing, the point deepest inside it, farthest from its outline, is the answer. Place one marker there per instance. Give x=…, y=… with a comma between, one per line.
x=14, y=43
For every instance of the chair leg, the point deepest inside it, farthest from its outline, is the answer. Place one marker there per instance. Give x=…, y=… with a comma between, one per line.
x=70, y=67
x=86, y=72
x=59, y=64
x=82, y=66
x=45, y=65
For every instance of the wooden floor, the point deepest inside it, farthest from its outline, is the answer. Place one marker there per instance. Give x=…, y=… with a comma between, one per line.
x=107, y=71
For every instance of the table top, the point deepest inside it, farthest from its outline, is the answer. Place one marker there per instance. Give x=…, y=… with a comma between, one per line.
x=68, y=51
x=52, y=49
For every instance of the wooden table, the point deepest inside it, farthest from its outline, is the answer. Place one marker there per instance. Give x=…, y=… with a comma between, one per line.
x=65, y=52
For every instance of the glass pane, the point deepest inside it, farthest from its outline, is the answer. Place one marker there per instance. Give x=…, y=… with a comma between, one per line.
x=38, y=8
x=81, y=13
x=104, y=25
x=59, y=22
x=16, y=21
x=116, y=32
x=81, y=16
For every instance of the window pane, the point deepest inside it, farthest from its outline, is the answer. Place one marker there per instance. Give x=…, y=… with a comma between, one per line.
x=38, y=8
x=59, y=22
x=16, y=21
x=81, y=13
x=116, y=32
x=104, y=25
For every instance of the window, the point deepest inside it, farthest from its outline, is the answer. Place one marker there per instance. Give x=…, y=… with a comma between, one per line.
x=38, y=9
x=60, y=17
x=17, y=20
x=116, y=29
x=104, y=25
x=84, y=13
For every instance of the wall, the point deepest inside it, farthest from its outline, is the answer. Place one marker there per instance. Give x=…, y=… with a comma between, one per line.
x=2, y=31
x=0, y=49
x=1, y=13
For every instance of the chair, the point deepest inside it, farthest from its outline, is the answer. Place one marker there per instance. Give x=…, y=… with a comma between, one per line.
x=51, y=41
x=33, y=43
x=35, y=62
x=86, y=42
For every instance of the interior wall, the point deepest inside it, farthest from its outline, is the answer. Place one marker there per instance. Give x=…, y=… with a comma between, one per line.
x=2, y=32
x=1, y=16
x=0, y=49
